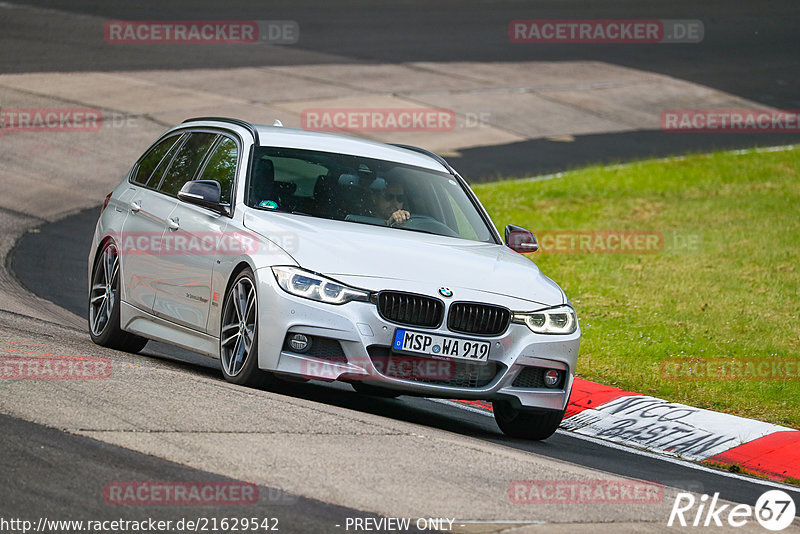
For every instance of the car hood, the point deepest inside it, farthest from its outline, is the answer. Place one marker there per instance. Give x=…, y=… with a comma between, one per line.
x=371, y=253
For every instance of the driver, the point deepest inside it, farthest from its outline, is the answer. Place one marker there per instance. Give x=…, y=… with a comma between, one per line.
x=388, y=204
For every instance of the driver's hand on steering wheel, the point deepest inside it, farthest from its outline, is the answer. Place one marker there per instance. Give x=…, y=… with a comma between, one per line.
x=398, y=218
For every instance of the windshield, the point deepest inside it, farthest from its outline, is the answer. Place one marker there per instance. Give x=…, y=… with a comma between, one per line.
x=363, y=190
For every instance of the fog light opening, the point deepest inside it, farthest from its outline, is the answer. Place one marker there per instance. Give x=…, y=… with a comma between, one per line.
x=552, y=377
x=299, y=342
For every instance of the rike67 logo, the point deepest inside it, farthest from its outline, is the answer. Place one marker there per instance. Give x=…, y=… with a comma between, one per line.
x=774, y=510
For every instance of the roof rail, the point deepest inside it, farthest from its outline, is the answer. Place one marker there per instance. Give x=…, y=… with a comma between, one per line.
x=428, y=153
x=238, y=122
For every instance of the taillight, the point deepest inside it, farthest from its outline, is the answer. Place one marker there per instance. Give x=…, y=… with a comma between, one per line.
x=105, y=202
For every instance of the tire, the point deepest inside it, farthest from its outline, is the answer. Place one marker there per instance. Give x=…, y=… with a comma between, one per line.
x=518, y=423
x=375, y=391
x=238, y=334
x=104, y=303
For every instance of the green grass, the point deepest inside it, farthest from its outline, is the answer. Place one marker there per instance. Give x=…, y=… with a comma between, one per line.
x=732, y=293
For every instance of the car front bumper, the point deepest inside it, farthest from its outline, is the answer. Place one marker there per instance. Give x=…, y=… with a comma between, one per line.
x=365, y=339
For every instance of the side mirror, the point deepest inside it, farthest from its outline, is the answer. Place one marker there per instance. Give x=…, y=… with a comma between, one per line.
x=204, y=193
x=520, y=240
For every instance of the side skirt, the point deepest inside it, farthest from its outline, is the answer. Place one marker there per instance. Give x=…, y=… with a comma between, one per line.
x=137, y=321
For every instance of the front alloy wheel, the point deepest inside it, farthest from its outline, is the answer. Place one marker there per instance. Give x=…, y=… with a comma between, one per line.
x=239, y=333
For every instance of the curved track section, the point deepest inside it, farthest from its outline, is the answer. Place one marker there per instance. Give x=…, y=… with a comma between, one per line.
x=64, y=243
x=167, y=414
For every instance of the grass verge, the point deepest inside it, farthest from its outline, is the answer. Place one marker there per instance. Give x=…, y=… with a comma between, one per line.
x=721, y=286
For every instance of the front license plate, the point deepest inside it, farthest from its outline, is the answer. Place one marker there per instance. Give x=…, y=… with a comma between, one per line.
x=433, y=345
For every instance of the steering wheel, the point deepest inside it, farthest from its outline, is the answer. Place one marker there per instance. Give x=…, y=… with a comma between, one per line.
x=428, y=224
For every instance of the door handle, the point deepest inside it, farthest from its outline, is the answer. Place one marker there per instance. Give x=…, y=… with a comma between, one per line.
x=173, y=224
x=136, y=206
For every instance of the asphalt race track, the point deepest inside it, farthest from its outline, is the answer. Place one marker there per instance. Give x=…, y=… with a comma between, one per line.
x=750, y=50
x=57, y=468
x=52, y=263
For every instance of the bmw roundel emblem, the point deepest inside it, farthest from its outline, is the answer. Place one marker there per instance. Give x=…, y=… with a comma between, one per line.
x=445, y=292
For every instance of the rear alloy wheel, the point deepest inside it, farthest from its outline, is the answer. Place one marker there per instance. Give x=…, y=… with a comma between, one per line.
x=104, y=304
x=525, y=424
x=238, y=338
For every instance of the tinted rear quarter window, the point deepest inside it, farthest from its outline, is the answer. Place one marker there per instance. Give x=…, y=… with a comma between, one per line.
x=146, y=167
x=221, y=167
x=186, y=162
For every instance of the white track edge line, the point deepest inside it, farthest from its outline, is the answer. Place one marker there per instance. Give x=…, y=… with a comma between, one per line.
x=640, y=452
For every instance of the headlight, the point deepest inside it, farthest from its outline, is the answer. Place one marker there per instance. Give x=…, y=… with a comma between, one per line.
x=316, y=287
x=558, y=320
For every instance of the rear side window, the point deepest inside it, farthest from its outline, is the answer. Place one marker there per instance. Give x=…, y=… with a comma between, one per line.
x=186, y=162
x=221, y=167
x=148, y=164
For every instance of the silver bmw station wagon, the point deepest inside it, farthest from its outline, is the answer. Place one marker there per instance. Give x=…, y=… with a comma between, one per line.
x=288, y=253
